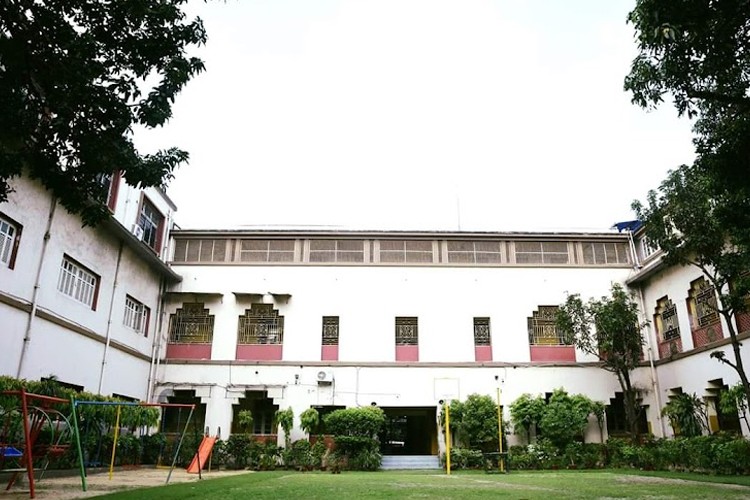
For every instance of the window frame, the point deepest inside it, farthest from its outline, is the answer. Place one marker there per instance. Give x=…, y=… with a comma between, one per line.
x=482, y=331
x=77, y=277
x=12, y=241
x=139, y=313
x=330, y=331
x=155, y=227
x=542, y=319
x=403, y=324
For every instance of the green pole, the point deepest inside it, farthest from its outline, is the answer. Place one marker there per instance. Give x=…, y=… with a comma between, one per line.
x=77, y=433
x=179, y=445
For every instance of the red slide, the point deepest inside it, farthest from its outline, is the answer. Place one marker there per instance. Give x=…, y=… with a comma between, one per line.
x=204, y=450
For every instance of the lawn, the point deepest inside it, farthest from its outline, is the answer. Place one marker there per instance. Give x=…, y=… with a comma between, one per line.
x=432, y=484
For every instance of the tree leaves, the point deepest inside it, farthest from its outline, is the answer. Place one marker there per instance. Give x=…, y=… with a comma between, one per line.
x=73, y=75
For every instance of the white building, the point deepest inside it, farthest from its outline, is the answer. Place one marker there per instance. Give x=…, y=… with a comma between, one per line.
x=82, y=303
x=268, y=320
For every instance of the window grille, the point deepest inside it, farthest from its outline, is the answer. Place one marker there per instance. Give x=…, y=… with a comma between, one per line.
x=342, y=251
x=267, y=251
x=542, y=327
x=200, y=250
x=7, y=241
x=191, y=325
x=475, y=252
x=542, y=252
x=417, y=251
x=261, y=324
x=605, y=253
x=406, y=331
x=668, y=321
x=150, y=221
x=330, y=330
x=77, y=282
x=136, y=315
x=703, y=296
x=482, y=331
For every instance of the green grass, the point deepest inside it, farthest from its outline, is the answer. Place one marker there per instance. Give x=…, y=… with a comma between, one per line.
x=546, y=485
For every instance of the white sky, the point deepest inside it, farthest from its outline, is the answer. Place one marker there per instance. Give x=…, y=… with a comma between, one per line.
x=393, y=114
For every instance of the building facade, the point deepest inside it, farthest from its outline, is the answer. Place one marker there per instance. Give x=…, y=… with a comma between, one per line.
x=82, y=303
x=268, y=320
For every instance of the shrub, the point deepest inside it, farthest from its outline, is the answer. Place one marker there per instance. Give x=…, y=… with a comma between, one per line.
x=309, y=420
x=354, y=432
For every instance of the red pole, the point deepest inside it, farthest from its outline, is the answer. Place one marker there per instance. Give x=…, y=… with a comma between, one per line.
x=27, y=438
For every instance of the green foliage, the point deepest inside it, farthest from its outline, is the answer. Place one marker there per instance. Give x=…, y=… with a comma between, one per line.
x=309, y=420
x=687, y=415
x=238, y=448
x=72, y=84
x=526, y=412
x=464, y=458
x=365, y=421
x=565, y=418
x=474, y=422
x=734, y=401
x=354, y=432
x=285, y=420
x=245, y=420
x=608, y=328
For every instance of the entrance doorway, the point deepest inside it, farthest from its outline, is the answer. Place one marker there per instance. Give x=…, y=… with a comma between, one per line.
x=409, y=431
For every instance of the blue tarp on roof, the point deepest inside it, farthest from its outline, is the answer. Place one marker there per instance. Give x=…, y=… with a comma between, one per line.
x=629, y=225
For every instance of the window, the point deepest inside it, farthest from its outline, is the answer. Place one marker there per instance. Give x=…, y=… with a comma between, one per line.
x=200, y=250
x=191, y=325
x=543, y=328
x=542, y=252
x=151, y=222
x=406, y=331
x=136, y=315
x=702, y=303
x=330, y=330
x=337, y=251
x=267, y=251
x=78, y=282
x=666, y=319
x=110, y=184
x=647, y=248
x=475, y=252
x=261, y=324
x=392, y=251
x=262, y=410
x=10, y=236
x=481, y=331
x=605, y=253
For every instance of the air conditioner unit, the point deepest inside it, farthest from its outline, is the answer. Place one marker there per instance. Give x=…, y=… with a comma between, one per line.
x=325, y=377
x=138, y=231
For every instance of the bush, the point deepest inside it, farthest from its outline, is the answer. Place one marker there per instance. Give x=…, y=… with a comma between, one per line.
x=354, y=432
x=464, y=458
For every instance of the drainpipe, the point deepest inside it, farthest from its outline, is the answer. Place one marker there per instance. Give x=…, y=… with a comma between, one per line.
x=109, y=319
x=654, y=378
x=37, y=286
x=155, y=345
x=159, y=339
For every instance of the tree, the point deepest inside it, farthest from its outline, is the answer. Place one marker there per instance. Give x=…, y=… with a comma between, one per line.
x=734, y=401
x=685, y=219
x=698, y=52
x=75, y=78
x=475, y=422
x=285, y=420
x=565, y=418
x=687, y=414
x=526, y=412
x=309, y=420
x=608, y=328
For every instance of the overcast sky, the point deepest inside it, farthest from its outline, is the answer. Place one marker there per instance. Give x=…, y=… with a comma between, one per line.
x=416, y=114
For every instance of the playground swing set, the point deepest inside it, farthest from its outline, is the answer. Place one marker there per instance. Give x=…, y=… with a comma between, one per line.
x=37, y=432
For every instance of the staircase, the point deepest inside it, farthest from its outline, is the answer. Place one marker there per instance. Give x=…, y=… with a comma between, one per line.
x=391, y=462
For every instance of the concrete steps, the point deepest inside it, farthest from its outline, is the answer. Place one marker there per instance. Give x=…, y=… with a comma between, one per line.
x=393, y=462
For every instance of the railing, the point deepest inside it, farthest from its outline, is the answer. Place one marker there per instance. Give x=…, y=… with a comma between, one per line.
x=191, y=332
x=545, y=334
x=259, y=333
